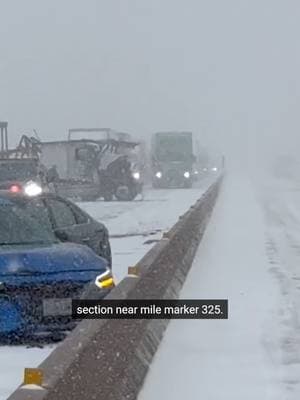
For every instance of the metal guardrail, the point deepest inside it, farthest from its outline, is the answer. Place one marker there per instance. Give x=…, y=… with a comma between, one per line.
x=109, y=359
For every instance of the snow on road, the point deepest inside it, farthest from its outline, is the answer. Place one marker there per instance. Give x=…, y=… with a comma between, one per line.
x=250, y=254
x=135, y=227
x=138, y=225
x=13, y=360
x=282, y=213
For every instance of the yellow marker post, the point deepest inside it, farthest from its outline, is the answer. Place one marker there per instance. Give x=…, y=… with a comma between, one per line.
x=133, y=270
x=105, y=281
x=108, y=283
x=33, y=376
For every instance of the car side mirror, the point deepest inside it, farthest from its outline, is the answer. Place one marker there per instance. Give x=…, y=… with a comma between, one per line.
x=61, y=235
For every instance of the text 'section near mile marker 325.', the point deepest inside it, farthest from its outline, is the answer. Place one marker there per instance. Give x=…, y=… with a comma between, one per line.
x=150, y=309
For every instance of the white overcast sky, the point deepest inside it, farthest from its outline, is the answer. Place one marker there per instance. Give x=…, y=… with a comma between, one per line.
x=226, y=69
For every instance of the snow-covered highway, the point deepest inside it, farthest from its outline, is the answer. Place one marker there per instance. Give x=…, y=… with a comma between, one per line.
x=250, y=255
x=134, y=227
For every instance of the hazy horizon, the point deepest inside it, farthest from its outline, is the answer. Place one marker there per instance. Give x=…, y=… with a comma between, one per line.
x=229, y=71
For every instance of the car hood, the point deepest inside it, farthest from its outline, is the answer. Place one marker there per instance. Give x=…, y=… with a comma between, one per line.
x=49, y=259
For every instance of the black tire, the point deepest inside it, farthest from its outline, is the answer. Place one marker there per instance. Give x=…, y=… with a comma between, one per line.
x=131, y=195
x=108, y=196
x=88, y=197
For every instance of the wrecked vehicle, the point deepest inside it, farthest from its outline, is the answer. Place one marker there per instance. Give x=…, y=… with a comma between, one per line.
x=89, y=169
x=21, y=175
x=20, y=168
x=117, y=179
x=68, y=222
x=40, y=275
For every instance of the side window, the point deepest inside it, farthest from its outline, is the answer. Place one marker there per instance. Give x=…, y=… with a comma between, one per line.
x=62, y=213
x=81, y=218
x=38, y=210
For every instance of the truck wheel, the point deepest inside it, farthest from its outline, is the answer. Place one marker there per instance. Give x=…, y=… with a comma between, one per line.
x=126, y=195
x=123, y=193
x=108, y=196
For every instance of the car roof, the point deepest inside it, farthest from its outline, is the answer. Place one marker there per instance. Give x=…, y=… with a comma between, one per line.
x=23, y=198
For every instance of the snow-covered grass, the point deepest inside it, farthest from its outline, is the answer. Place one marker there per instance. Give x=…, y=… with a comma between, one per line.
x=139, y=222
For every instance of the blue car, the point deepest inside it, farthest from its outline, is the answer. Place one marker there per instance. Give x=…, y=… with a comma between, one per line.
x=39, y=275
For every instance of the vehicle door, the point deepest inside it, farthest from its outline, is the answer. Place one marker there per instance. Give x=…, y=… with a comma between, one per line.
x=73, y=225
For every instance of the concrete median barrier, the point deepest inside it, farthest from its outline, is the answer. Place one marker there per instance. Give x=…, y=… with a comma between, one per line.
x=109, y=358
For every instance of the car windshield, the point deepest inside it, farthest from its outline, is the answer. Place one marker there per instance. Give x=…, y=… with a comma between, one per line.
x=18, y=228
x=10, y=171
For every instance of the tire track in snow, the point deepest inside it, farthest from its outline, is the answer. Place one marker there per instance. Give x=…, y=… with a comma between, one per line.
x=283, y=251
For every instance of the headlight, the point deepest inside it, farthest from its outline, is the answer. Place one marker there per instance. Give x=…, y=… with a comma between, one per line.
x=214, y=169
x=196, y=172
x=186, y=174
x=105, y=280
x=32, y=189
x=136, y=175
x=158, y=175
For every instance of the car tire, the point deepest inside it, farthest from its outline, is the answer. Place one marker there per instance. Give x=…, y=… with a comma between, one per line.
x=108, y=196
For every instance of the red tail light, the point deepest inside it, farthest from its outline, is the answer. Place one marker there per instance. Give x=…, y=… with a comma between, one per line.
x=15, y=189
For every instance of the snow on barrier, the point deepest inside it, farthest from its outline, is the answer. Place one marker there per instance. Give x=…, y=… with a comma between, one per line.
x=109, y=358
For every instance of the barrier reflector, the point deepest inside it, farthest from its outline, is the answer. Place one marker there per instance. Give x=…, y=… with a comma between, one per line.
x=33, y=376
x=133, y=271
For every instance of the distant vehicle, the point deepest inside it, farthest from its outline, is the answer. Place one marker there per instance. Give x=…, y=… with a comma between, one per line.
x=173, y=160
x=93, y=168
x=201, y=161
x=213, y=166
x=22, y=175
x=39, y=275
x=20, y=168
x=119, y=180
